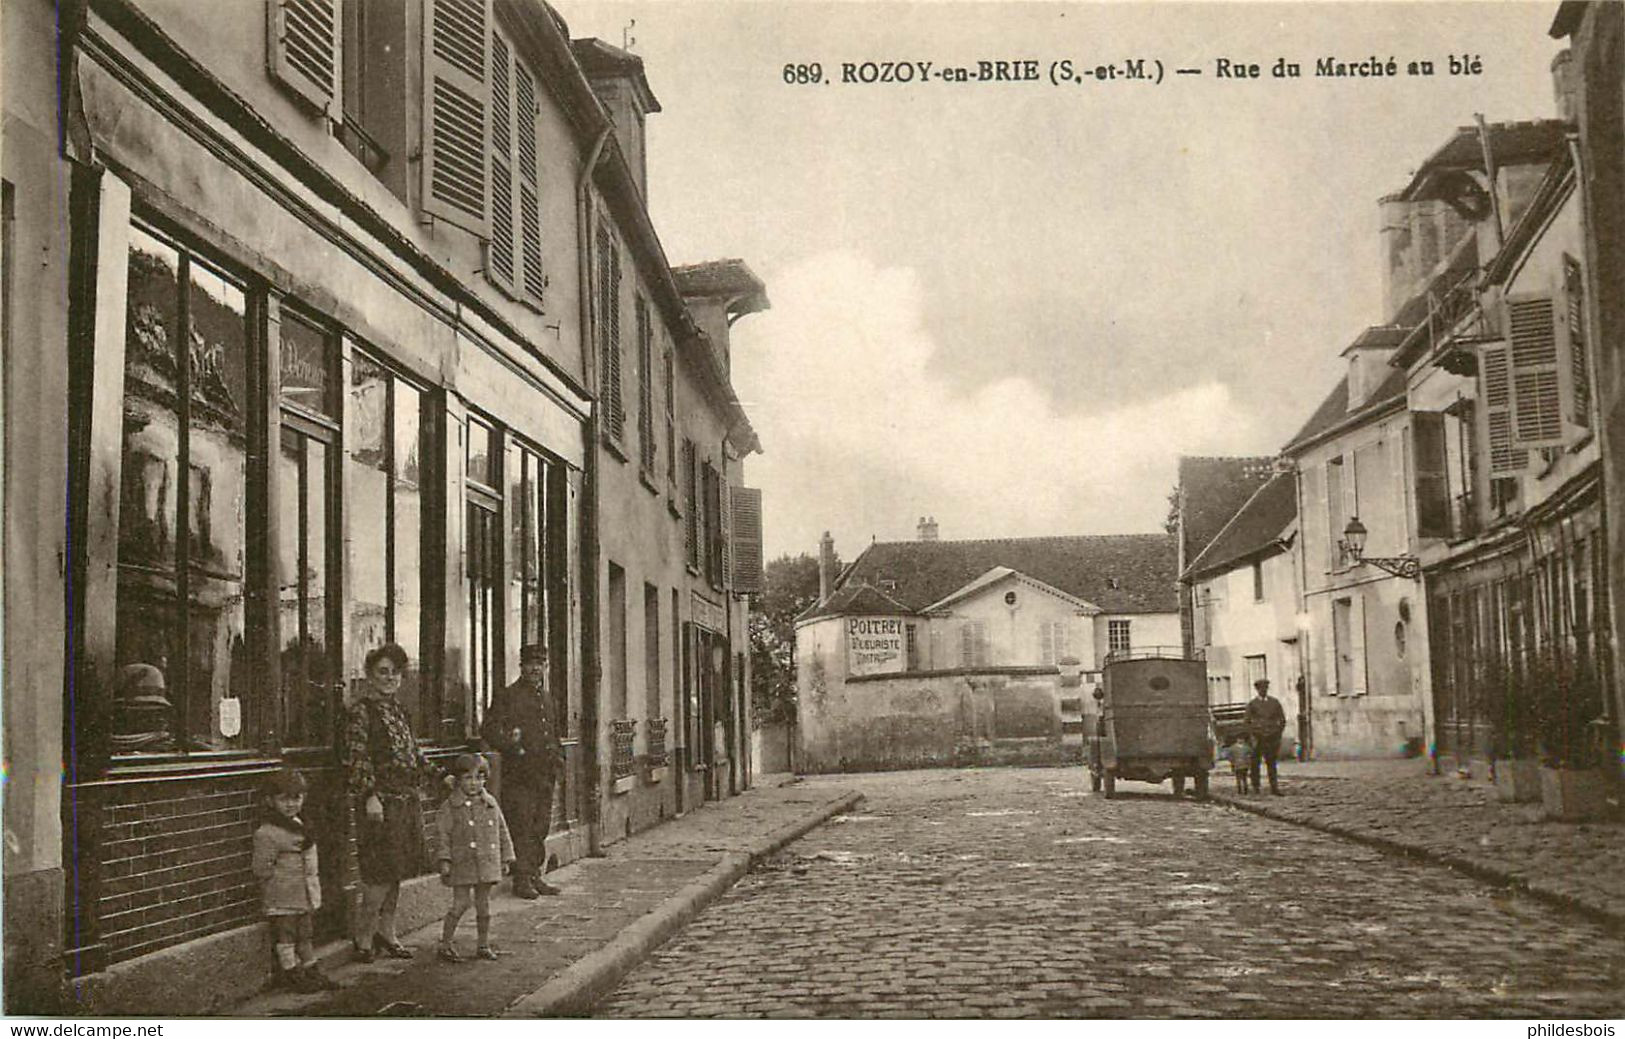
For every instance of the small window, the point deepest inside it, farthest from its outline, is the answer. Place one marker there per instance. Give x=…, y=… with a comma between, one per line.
x=1118, y=639
x=1258, y=580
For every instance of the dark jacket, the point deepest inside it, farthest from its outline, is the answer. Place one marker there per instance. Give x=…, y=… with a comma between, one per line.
x=537, y=753
x=1265, y=716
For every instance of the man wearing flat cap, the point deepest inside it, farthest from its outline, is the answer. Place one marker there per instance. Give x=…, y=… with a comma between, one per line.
x=520, y=725
x=1266, y=720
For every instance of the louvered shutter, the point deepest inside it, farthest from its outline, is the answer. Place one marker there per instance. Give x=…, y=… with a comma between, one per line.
x=302, y=48
x=746, y=511
x=1357, y=630
x=609, y=323
x=1537, y=406
x=1494, y=411
x=726, y=518
x=967, y=645
x=500, y=250
x=456, y=112
x=1046, y=643
x=1432, y=476
x=1579, y=361
x=533, y=277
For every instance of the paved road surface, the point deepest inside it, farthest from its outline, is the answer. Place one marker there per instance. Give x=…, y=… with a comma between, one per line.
x=1017, y=893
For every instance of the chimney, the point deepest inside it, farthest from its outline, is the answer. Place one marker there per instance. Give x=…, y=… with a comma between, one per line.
x=1563, y=86
x=927, y=529
x=617, y=78
x=826, y=565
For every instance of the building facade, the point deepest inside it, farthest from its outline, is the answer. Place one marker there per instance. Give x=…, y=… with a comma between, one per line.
x=337, y=289
x=960, y=652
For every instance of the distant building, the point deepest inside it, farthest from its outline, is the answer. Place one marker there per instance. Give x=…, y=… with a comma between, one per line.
x=1209, y=493
x=1246, y=600
x=955, y=652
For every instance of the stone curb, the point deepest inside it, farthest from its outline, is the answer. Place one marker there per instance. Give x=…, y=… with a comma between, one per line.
x=1476, y=869
x=573, y=991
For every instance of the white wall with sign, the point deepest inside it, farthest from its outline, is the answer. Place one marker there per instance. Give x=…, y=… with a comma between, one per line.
x=874, y=645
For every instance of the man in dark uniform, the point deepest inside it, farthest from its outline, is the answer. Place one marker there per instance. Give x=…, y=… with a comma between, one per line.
x=1266, y=719
x=520, y=726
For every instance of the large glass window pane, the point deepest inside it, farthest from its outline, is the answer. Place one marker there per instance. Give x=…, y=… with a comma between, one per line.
x=406, y=546
x=367, y=472
x=479, y=453
x=305, y=589
x=217, y=465
x=484, y=534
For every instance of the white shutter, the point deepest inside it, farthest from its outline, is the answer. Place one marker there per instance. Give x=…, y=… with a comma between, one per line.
x=1357, y=630
x=1537, y=394
x=1494, y=411
x=1046, y=642
x=456, y=112
x=1579, y=362
x=302, y=48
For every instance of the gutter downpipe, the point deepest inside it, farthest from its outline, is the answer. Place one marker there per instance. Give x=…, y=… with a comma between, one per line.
x=591, y=657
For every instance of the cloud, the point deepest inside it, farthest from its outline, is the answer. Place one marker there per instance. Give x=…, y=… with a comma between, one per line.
x=863, y=433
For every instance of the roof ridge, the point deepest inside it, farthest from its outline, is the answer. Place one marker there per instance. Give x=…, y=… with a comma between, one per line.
x=1030, y=537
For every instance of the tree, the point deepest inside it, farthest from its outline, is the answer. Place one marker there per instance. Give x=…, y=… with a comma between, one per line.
x=1170, y=522
x=789, y=586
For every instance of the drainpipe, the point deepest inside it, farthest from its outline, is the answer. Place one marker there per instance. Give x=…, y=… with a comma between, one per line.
x=591, y=657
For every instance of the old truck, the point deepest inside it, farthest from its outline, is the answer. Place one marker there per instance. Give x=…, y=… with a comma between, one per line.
x=1152, y=721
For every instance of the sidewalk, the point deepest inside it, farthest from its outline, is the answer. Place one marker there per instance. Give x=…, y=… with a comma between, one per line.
x=1397, y=806
x=560, y=954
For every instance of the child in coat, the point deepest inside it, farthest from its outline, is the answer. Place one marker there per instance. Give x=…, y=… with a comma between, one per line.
x=285, y=863
x=474, y=850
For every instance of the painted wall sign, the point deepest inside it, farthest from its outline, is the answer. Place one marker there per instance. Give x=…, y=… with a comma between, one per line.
x=874, y=645
x=708, y=614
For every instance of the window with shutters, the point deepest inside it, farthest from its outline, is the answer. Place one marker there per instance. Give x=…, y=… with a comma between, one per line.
x=691, y=533
x=456, y=112
x=612, y=404
x=1258, y=580
x=671, y=427
x=1536, y=371
x=1054, y=641
x=1433, y=504
x=1494, y=412
x=375, y=103
x=711, y=488
x=973, y=648
x=1338, y=491
x=303, y=50
x=1579, y=351
x=745, y=508
x=514, y=251
x=646, y=395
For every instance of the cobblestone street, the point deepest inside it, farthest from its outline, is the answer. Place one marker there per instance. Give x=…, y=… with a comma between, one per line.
x=1017, y=893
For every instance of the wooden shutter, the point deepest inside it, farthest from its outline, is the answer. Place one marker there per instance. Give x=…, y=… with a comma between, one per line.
x=725, y=535
x=1494, y=411
x=456, y=112
x=1046, y=642
x=609, y=325
x=746, y=510
x=1579, y=361
x=303, y=48
x=1357, y=670
x=691, y=526
x=1537, y=403
x=646, y=391
x=532, y=274
x=1432, y=474
x=500, y=249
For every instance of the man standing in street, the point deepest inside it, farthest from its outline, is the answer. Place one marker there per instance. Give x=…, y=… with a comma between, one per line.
x=520, y=725
x=1266, y=719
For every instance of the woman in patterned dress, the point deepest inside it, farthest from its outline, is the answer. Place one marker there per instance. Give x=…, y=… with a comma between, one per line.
x=384, y=768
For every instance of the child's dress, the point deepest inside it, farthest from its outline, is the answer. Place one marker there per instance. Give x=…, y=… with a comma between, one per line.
x=472, y=835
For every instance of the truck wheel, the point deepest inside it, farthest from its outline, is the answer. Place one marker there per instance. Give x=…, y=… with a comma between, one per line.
x=1201, y=786
x=1094, y=781
x=1179, y=786
x=1111, y=784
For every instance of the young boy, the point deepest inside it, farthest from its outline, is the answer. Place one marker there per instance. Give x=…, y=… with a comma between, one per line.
x=285, y=863
x=474, y=849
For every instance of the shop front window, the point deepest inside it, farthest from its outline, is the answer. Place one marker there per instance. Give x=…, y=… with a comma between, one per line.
x=385, y=452
x=484, y=567
x=181, y=645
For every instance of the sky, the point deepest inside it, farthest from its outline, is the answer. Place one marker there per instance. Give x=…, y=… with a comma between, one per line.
x=1013, y=306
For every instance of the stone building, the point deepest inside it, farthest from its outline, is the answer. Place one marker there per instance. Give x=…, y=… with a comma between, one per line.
x=341, y=292
x=938, y=652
